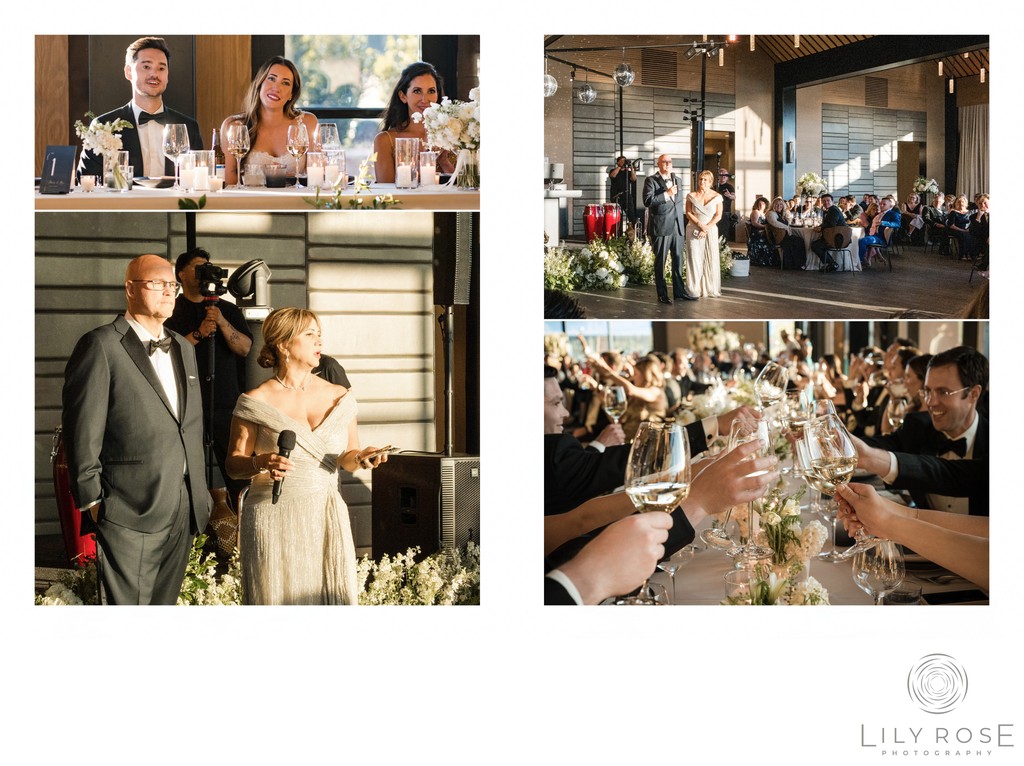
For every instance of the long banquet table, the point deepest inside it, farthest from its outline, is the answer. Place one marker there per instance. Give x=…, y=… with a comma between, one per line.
x=261, y=198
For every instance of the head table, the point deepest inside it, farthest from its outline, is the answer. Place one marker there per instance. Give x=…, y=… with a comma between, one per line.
x=256, y=198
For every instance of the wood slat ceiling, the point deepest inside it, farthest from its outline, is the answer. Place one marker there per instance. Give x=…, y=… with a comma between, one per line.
x=779, y=48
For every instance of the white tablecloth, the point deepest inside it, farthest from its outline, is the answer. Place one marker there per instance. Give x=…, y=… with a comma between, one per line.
x=141, y=198
x=850, y=261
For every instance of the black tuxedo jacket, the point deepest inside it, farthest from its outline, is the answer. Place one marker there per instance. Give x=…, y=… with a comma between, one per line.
x=833, y=217
x=125, y=444
x=668, y=216
x=92, y=164
x=921, y=471
x=555, y=594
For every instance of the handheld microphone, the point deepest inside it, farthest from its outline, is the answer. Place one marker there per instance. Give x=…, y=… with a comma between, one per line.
x=285, y=445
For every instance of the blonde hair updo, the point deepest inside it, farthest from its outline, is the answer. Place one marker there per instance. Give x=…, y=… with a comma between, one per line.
x=279, y=329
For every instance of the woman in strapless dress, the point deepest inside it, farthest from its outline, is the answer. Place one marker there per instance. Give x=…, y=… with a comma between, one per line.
x=268, y=110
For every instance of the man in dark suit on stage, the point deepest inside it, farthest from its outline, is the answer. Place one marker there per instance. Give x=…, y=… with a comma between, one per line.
x=146, y=66
x=133, y=428
x=941, y=457
x=667, y=203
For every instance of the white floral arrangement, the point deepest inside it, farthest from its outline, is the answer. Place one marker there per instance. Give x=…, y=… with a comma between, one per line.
x=811, y=184
x=597, y=267
x=926, y=185
x=558, y=270
x=710, y=336
x=453, y=125
x=102, y=138
x=443, y=578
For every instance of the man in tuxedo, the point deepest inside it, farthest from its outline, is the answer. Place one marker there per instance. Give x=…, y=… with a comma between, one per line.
x=667, y=203
x=146, y=66
x=133, y=427
x=940, y=456
x=832, y=217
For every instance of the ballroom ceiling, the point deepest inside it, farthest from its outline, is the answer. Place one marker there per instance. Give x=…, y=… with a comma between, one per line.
x=654, y=55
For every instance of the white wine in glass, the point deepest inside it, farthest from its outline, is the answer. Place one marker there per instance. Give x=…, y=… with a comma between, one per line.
x=615, y=402
x=236, y=139
x=175, y=144
x=298, y=143
x=770, y=385
x=657, y=476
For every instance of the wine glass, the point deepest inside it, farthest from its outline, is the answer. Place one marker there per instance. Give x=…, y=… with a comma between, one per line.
x=236, y=139
x=615, y=402
x=674, y=563
x=896, y=411
x=175, y=144
x=657, y=475
x=770, y=385
x=830, y=509
x=879, y=570
x=326, y=137
x=298, y=143
x=797, y=412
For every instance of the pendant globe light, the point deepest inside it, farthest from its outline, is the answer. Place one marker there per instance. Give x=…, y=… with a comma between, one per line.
x=587, y=94
x=550, y=83
x=624, y=74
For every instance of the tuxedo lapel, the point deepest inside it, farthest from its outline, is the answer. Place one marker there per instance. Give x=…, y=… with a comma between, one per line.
x=134, y=348
x=179, y=377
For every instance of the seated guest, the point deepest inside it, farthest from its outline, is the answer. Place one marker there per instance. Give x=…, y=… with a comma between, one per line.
x=941, y=455
x=778, y=225
x=977, y=233
x=645, y=391
x=147, y=68
x=761, y=253
x=616, y=561
x=912, y=213
x=268, y=111
x=832, y=217
x=418, y=87
x=956, y=225
x=958, y=543
x=852, y=211
x=887, y=218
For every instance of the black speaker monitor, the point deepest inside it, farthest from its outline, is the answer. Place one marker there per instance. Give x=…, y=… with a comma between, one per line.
x=455, y=247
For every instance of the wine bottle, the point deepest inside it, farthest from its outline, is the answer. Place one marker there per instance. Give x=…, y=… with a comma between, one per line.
x=218, y=153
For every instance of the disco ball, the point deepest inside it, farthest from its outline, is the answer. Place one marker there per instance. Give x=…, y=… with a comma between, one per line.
x=624, y=75
x=550, y=85
x=587, y=94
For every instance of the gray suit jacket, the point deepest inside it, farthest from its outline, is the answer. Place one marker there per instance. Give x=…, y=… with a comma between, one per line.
x=124, y=444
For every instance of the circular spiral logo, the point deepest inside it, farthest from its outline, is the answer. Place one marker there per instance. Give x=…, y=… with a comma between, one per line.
x=937, y=683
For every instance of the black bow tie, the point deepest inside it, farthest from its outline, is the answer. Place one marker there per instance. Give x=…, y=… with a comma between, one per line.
x=164, y=344
x=959, y=446
x=145, y=117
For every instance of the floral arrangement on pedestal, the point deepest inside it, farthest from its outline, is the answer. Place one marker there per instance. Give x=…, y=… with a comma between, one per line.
x=786, y=581
x=455, y=127
x=811, y=184
x=104, y=139
x=925, y=186
x=443, y=578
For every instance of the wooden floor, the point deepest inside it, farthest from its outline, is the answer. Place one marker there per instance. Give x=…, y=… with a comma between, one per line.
x=932, y=284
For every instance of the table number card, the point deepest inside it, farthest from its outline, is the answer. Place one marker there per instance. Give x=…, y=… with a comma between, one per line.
x=58, y=170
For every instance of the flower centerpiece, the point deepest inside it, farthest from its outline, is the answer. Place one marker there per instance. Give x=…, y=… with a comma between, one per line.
x=455, y=127
x=811, y=185
x=712, y=336
x=104, y=139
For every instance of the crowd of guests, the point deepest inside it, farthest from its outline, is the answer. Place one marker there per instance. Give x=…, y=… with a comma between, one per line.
x=268, y=109
x=951, y=221
x=919, y=421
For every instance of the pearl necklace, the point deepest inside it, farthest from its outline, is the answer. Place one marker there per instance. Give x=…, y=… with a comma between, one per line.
x=294, y=388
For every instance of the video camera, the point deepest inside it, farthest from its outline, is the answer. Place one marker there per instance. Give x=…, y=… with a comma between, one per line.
x=211, y=280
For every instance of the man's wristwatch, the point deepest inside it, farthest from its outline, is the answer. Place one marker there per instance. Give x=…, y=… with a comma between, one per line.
x=196, y=335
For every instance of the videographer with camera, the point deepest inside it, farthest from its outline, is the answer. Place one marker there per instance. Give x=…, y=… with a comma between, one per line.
x=222, y=340
x=623, y=191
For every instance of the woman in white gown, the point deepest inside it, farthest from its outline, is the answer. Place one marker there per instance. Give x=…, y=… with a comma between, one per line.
x=703, y=264
x=298, y=550
x=268, y=110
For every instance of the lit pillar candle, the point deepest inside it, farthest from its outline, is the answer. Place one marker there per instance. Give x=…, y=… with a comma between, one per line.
x=202, y=178
x=314, y=176
x=188, y=178
x=403, y=176
x=216, y=183
x=88, y=183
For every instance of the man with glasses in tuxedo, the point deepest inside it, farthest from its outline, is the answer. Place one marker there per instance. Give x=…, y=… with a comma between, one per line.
x=940, y=455
x=147, y=68
x=133, y=430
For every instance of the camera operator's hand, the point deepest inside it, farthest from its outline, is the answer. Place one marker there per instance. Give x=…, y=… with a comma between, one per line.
x=213, y=313
x=207, y=327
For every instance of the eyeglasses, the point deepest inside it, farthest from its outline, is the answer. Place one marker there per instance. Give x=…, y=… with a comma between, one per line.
x=157, y=284
x=943, y=394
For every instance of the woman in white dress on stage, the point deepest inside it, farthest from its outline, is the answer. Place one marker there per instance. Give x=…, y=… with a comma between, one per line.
x=298, y=550
x=268, y=110
x=703, y=264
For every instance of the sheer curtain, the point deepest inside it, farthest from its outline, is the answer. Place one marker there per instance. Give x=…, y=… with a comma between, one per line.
x=972, y=168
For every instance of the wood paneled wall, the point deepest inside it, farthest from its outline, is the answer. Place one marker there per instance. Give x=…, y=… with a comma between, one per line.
x=223, y=72
x=368, y=275
x=52, y=122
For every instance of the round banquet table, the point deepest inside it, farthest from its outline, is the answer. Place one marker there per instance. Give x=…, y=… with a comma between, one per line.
x=850, y=261
x=255, y=198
